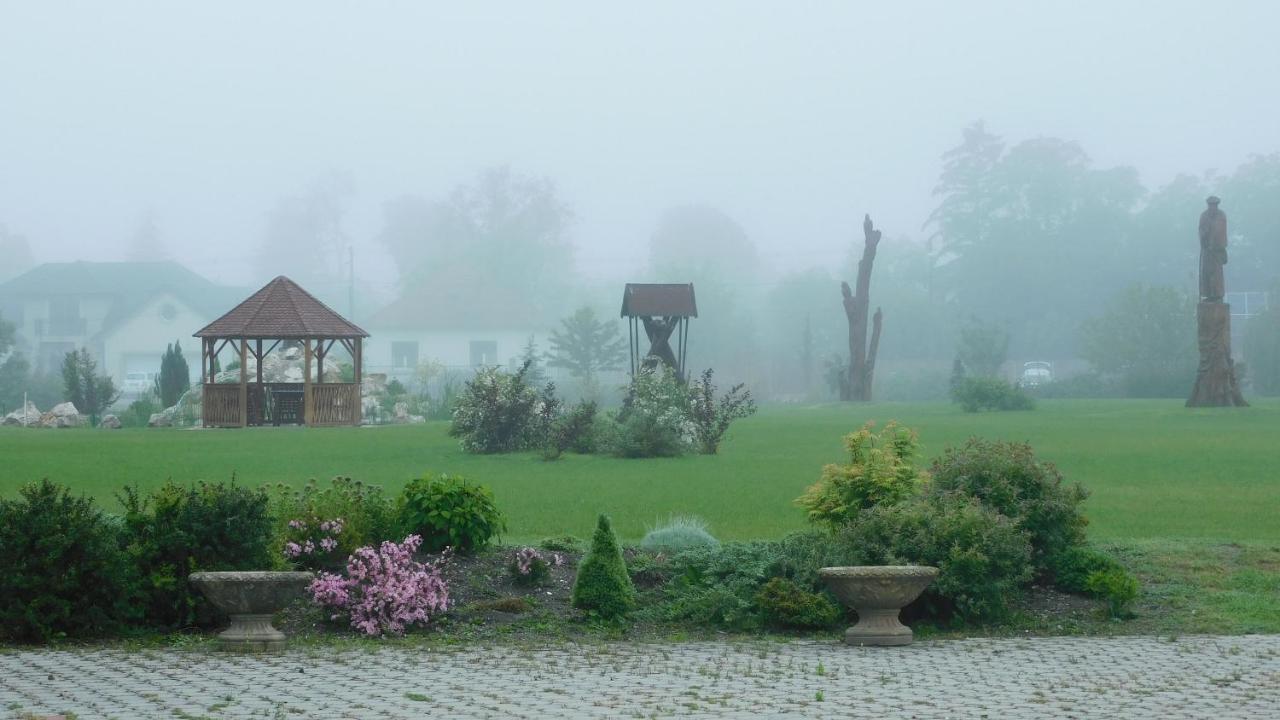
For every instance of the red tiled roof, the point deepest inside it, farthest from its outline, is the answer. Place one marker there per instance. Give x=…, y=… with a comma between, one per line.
x=282, y=309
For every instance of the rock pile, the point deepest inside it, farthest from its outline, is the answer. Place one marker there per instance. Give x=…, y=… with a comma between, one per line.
x=22, y=417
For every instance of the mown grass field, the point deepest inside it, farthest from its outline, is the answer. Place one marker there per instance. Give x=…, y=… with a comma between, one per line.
x=1155, y=469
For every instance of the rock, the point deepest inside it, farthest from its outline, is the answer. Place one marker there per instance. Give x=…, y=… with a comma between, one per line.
x=160, y=419
x=373, y=383
x=110, y=422
x=23, y=416
x=64, y=415
x=48, y=420
x=401, y=412
x=227, y=377
x=416, y=419
x=64, y=409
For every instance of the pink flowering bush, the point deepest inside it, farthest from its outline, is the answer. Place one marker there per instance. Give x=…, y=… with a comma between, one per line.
x=531, y=567
x=314, y=543
x=385, y=590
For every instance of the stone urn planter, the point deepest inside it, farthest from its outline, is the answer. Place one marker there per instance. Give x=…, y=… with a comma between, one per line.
x=251, y=598
x=878, y=593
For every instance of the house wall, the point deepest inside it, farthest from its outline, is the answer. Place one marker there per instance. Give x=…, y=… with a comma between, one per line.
x=452, y=348
x=137, y=344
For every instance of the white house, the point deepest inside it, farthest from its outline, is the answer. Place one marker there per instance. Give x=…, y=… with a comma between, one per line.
x=125, y=313
x=412, y=331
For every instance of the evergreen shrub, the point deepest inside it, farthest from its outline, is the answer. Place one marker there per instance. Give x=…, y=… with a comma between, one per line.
x=62, y=573
x=983, y=558
x=1007, y=478
x=784, y=603
x=177, y=530
x=603, y=588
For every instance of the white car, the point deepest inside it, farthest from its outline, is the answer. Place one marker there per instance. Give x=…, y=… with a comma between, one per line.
x=1036, y=372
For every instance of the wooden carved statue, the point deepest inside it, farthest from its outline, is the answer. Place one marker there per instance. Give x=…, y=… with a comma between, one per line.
x=659, y=331
x=1216, y=384
x=1213, y=251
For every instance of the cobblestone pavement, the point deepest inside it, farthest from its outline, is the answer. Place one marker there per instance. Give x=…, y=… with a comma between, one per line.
x=1128, y=677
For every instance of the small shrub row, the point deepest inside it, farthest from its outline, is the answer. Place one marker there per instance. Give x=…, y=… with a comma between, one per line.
x=498, y=411
x=975, y=394
x=988, y=514
x=69, y=570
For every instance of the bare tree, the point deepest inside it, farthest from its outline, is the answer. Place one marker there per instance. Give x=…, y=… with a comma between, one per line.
x=862, y=358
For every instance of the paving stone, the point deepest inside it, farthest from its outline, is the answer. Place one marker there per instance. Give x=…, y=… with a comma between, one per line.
x=1223, y=678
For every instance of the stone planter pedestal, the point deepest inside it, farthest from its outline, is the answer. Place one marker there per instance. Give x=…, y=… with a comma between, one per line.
x=251, y=598
x=878, y=593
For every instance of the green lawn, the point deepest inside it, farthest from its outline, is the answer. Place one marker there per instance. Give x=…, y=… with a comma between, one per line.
x=1156, y=469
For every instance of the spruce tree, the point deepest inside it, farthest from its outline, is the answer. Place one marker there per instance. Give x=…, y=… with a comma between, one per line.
x=603, y=586
x=175, y=376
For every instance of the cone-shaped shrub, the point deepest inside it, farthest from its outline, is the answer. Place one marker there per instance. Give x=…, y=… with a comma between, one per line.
x=603, y=586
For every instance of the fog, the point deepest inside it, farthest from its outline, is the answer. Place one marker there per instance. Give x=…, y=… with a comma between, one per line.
x=793, y=119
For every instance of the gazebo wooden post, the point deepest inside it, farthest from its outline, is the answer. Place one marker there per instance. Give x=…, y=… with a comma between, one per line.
x=244, y=383
x=357, y=363
x=258, y=356
x=306, y=381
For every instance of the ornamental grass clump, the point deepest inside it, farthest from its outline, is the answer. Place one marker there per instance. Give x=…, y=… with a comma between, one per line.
x=681, y=532
x=385, y=590
x=603, y=588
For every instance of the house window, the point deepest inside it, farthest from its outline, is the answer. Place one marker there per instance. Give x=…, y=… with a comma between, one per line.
x=484, y=352
x=404, y=354
x=64, y=317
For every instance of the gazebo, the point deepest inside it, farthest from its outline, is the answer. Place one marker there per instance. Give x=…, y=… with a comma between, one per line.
x=279, y=313
x=663, y=310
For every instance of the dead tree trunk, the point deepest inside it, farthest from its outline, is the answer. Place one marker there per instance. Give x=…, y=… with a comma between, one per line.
x=862, y=360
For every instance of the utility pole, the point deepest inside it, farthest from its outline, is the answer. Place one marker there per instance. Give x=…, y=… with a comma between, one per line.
x=351, y=283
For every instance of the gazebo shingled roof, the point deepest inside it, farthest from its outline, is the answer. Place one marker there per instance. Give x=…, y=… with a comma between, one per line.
x=282, y=309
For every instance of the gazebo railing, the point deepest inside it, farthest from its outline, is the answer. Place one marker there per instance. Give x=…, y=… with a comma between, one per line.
x=334, y=404
x=282, y=404
x=221, y=405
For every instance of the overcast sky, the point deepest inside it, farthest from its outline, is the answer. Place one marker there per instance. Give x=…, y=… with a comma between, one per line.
x=792, y=117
